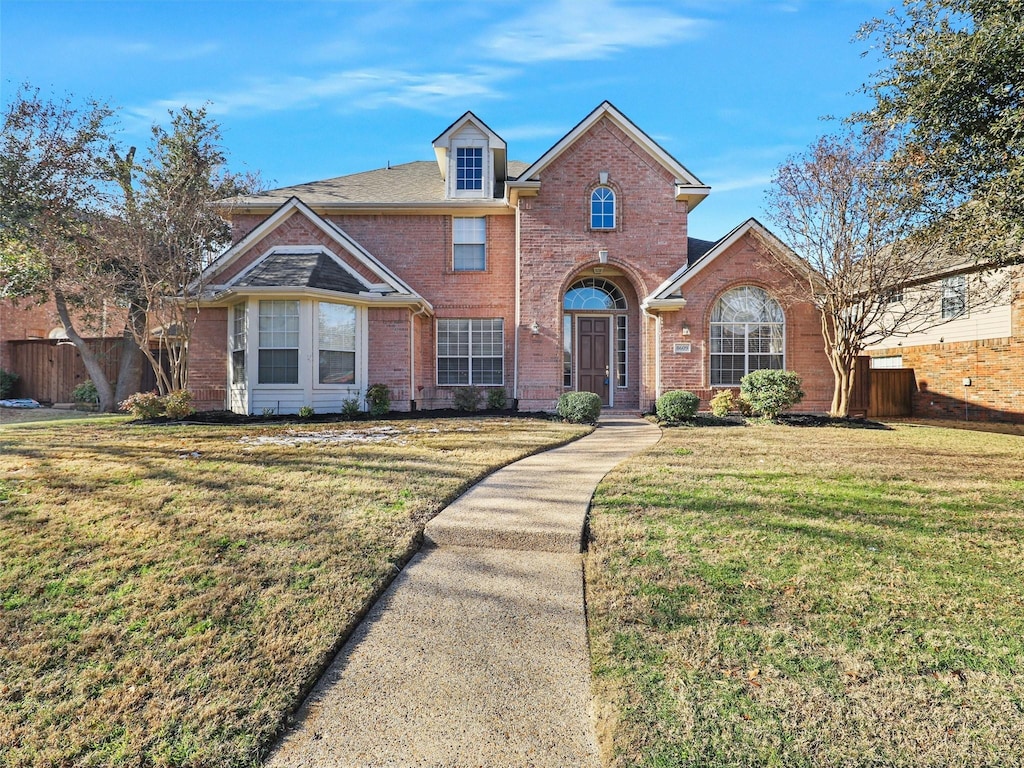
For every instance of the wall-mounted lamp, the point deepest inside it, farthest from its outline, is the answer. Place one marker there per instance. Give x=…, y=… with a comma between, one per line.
x=686, y=328
x=602, y=256
x=535, y=328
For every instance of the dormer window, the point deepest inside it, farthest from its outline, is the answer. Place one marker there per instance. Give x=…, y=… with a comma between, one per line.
x=469, y=168
x=602, y=208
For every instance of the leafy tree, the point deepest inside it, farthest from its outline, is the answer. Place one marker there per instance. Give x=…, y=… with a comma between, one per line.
x=951, y=87
x=864, y=262
x=168, y=232
x=53, y=202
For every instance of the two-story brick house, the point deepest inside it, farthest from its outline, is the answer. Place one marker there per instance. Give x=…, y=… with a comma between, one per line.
x=575, y=272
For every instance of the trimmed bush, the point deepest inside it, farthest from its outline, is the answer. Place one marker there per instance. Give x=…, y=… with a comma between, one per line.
x=143, y=405
x=378, y=399
x=676, y=405
x=178, y=404
x=7, y=381
x=771, y=392
x=86, y=393
x=497, y=400
x=306, y=412
x=579, y=407
x=467, y=399
x=350, y=408
x=723, y=403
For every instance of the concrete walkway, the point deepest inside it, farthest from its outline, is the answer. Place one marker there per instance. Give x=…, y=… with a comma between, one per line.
x=477, y=654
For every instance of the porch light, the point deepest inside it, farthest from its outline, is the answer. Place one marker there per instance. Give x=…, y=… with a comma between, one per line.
x=535, y=328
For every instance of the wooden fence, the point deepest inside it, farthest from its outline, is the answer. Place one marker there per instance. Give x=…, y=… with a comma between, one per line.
x=881, y=392
x=49, y=371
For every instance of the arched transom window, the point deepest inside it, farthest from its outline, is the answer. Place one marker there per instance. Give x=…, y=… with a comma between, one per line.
x=594, y=293
x=747, y=334
x=602, y=208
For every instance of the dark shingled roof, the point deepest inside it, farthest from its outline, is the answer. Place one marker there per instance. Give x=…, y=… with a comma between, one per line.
x=695, y=249
x=409, y=183
x=302, y=270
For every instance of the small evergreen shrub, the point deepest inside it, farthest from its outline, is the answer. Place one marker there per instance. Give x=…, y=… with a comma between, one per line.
x=676, y=405
x=771, y=392
x=306, y=412
x=178, y=404
x=143, y=405
x=266, y=412
x=7, y=382
x=497, y=400
x=723, y=403
x=378, y=399
x=86, y=393
x=467, y=399
x=579, y=407
x=350, y=408
x=743, y=406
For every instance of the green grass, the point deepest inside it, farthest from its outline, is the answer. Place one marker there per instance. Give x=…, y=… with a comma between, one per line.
x=778, y=596
x=167, y=594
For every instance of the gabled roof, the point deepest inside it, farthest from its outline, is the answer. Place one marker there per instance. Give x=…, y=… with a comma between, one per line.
x=390, y=284
x=494, y=141
x=688, y=186
x=668, y=294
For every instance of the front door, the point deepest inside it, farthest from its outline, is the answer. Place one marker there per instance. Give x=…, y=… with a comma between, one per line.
x=592, y=353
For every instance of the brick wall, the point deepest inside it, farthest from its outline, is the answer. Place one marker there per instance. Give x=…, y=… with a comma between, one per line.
x=994, y=366
x=208, y=360
x=557, y=246
x=743, y=264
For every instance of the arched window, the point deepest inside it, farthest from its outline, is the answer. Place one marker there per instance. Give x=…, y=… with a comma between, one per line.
x=594, y=293
x=747, y=334
x=602, y=208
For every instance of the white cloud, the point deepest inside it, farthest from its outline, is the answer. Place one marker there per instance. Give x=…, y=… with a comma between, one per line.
x=361, y=88
x=161, y=51
x=569, y=29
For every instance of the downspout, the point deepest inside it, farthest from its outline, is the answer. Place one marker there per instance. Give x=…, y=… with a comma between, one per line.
x=413, y=314
x=657, y=351
x=515, y=350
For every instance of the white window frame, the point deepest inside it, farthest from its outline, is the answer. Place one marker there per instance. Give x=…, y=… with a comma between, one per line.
x=614, y=204
x=746, y=339
x=298, y=341
x=354, y=350
x=954, y=297
x=459, y=237
x=474, y=327
x=486, y=175
x=239, y=341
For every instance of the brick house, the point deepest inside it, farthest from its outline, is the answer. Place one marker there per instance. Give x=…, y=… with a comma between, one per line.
x=574, y=272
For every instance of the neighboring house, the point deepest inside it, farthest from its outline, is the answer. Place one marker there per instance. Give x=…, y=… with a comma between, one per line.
x=574, y=272
x=969, y=363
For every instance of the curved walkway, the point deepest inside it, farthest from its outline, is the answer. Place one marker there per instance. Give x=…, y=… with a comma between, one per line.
x=477, y=653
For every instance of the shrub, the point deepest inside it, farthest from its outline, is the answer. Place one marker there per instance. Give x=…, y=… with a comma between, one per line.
x=467, y=399
x=676, y=405
x=579, y=407
x=178, y=404
x=722, y=403
x=743, y=406
x=269, y=412
x=7, y=381
x=497, y=400
x=378, y=399
x=86, y=393
x=771, y=392
x=350, y=408
x=306, y=411
x=143, y=405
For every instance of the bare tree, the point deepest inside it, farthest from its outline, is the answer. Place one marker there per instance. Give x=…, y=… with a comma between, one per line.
x=868, y=266
x=52, y=201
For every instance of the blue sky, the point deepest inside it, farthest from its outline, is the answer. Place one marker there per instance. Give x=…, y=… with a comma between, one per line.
x=309, y=90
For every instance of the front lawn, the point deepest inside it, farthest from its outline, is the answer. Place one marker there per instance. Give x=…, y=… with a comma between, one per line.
x=167, y=593
x=780, y=596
